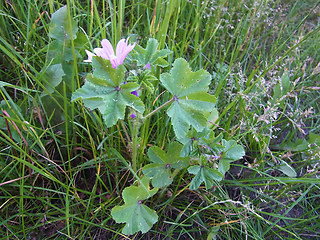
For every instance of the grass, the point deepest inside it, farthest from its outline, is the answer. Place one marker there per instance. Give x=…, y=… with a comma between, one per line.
x=59, y=179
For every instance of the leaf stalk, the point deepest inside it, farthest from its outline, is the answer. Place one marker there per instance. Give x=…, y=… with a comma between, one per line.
x=159, y=108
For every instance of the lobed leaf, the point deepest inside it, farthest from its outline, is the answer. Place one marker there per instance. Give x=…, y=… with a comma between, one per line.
x=231, y=152
x=160, y=169
x=136, y=215
x=105, y=90
x=151, y=54
x=192, y=104
x=206, y=139
x=203, y=174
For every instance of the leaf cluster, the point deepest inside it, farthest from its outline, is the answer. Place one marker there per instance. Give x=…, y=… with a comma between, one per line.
x=191, y=108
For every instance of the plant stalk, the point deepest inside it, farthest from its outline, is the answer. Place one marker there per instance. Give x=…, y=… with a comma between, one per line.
x=134, y=146
x=159, y=108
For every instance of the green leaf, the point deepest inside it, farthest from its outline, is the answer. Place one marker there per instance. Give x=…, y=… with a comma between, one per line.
x=231, y=152
x=160, y=169
x=192, y=104
x=54, y=53
x=146, y=80
x=287, y=169
x=214, y=231
x=204, y=174
x=150, y=54
x=104, y=90
x=4, y=84
x=224, y=165
x=104, y=71
x=60, y=28
x=136, y=215
x=314, y=139
x=59, y=78
x=23, y=89
x=61, y=51
x=193, y=137
x=298, y=145
x=214, y=116
x=187, y=149
x=281, y=89
x=285, y=81
x=276, y=92
x=52, y=77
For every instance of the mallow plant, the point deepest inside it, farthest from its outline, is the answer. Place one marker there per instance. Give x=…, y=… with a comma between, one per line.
x=121, y=77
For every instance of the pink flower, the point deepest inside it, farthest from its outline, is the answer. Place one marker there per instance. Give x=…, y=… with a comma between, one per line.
x=107, y=52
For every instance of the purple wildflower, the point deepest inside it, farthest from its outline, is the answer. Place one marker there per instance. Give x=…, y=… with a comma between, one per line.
x=132, y=115
x=135, y=93
x=107, y=52
x=148, y=66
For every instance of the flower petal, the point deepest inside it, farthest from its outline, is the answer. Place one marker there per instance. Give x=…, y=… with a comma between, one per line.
x=90, y=55
x=107, y=52
x=100, y=53
x=107, y=48
x=135, y=93
x=132, y=115
x=147, y=66
x=123, y=48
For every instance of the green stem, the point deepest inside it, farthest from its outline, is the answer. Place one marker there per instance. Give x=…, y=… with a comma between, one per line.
x=175, y=172
x=134, y=146
x=159, y=108
x=136, y=126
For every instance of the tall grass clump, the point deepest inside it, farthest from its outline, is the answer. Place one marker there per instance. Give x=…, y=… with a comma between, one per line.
x=203, y=125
